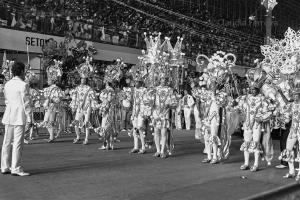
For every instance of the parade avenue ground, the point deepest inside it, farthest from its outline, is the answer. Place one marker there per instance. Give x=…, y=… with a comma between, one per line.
x=66, y=171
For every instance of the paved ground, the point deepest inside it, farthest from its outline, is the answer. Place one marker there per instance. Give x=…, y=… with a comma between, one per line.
x=63, y=170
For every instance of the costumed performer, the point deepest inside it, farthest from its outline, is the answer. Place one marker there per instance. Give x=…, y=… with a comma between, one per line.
x=161, y=117
x=52, y=96
x=137, y=118
x=291, y=154
x=83, y=101
x=257, y=110
x=109, y=107
x=31, y=79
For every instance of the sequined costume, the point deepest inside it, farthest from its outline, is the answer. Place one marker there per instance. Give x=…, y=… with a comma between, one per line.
x=255, y=109
x=107, y=109
x=161, y=107
x=137, y=111
x=161, y=118
x=138, y=119
x=288, y=154
x=213, y=118
x=52, y=97
x=83, y=101
x=201, y=96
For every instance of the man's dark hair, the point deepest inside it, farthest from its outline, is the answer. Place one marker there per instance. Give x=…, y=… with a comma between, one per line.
x=17, y=69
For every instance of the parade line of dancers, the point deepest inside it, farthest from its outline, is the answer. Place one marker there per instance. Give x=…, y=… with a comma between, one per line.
x=153, y=99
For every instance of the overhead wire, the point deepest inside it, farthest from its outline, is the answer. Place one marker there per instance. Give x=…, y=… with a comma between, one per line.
x=207, y=24
x=185, y=27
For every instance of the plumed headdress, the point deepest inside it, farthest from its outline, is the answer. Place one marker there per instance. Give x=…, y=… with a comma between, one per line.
x=54, y=72
x=85, y=69
x=30, y=77
x=6, y=69
x=114, y=72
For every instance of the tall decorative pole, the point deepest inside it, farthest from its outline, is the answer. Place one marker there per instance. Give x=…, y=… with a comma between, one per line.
x=269, y=5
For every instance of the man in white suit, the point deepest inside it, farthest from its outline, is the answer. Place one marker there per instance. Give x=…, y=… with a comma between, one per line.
x=188, y=103
x=17, y=115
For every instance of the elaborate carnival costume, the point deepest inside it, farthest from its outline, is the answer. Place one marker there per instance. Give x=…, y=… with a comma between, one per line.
x=201, y=96
x=52, y=96
x=109, y=108
x=282, y=58
x=289, y=154
x=161, y=117
x=83, y=101
x=30, y=78
x=163, y=62
x=214, y=100
x=257, y=111
x=137, y=117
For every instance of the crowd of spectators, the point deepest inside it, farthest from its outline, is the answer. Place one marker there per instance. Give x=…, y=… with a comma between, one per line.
x=108, y=21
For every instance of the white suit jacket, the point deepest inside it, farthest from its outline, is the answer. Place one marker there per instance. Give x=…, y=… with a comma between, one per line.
x=17, y=100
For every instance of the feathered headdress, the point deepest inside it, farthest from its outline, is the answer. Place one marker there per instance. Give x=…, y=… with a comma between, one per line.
x=54, y=72
x=85, y=69
x=114, y=72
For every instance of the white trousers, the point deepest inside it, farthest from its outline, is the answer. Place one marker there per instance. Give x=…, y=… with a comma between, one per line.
x=15, y=135
x=197, y=117
x=187, y=117
x=178, y=118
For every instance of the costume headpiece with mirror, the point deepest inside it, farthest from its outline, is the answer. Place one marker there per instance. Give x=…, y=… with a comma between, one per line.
x=154, y=47
x=54, y=72
x=176, y=55
x=282, y=55
x=85, y=69
x=114, y=72
x=218, y=66
x=256, y=77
